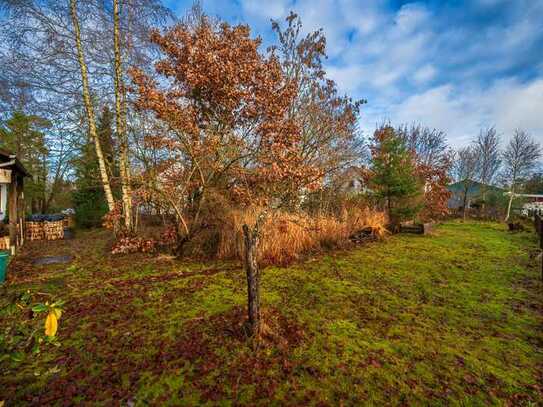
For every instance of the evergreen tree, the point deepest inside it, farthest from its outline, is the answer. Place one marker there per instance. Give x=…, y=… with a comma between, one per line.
x=89, y=200
x=105, y=133
x=395, y=179
x=23, y=135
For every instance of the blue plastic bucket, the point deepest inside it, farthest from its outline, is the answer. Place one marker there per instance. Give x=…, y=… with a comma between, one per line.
x=4, y=257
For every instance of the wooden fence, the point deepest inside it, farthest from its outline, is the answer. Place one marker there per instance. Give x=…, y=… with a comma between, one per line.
x=538, y=223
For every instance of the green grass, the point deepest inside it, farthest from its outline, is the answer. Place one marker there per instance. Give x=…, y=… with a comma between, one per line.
x=450, y=319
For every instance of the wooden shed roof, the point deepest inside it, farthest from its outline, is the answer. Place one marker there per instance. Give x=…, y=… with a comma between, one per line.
x=7, y=156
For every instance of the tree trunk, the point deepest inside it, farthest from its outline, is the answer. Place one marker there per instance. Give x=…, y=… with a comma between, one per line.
x=253, y=279
x=180, y=245
x=12, y=210
x=389, y=210
x=464, y=204
x=251, y=244
x=120, y=112
x=90, y=110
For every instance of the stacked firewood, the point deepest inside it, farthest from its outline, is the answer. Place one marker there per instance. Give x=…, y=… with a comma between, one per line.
x=53, y=230
x=4, y=243
x=45, y=230
x=35, y=231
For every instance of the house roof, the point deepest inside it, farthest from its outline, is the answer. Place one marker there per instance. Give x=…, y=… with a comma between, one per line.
x=7, y=156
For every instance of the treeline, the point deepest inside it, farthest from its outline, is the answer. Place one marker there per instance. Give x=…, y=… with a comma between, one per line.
x=63, y=63
x=486, y=161
x=119, y=109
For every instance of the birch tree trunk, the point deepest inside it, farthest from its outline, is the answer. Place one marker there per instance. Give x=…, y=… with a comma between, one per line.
x=90, y=109
x=120, y=112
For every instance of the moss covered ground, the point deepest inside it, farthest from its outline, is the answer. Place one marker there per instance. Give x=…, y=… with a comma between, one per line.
x=455, y=318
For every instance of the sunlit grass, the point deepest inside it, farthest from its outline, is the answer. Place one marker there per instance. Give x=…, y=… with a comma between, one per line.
x=449, y=319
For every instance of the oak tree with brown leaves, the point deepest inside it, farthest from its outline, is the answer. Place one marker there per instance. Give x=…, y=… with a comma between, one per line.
x=228, y=131
x=328, y=121
x=433, y=160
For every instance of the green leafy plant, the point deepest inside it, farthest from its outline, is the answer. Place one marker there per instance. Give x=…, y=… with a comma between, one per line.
x=28, y=332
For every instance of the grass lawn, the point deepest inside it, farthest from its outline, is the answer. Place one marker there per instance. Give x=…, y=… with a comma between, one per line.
x=450, y=319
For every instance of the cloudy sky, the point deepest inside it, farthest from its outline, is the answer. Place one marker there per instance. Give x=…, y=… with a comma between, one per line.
x=455, y=65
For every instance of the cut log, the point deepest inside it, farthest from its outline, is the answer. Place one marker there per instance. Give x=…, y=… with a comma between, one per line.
x=416, y=228
x=53, y=230
x=34, y=231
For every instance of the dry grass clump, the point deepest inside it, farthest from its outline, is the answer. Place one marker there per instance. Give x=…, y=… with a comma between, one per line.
x=289, y=235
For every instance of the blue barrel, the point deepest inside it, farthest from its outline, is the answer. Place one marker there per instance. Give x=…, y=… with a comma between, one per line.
x=4, y=257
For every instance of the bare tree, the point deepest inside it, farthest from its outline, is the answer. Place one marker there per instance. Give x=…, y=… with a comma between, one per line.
x=90, y=108
x=430, y=145
x=120, y=111
x=41, y=74
x=487, y=147
x=328, y=120
x=465, y=169
x=519, y=159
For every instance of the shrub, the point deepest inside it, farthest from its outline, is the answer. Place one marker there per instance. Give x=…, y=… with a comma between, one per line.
x=289, y=235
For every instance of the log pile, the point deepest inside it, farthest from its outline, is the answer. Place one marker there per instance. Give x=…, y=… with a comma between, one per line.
x=35, y=231
x=4, y=243
x=53, y=230
x=45, y=230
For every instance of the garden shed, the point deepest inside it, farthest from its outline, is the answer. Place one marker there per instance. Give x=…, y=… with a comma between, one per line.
x=12, y=208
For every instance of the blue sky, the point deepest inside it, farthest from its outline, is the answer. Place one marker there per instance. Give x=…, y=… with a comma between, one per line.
x=455, y=65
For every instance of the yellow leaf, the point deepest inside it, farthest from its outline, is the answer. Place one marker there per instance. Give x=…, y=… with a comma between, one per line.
x=57, y=312
x=51, y=324
x=1, y=403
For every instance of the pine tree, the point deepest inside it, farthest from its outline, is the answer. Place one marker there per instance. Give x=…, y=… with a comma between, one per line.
x=23, y=135
x=394, y=178
x=89, y=200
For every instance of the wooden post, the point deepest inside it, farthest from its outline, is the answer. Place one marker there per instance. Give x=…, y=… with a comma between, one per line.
x=21, y=210
x=541, y=242
x=538, y=223
x=13, y=212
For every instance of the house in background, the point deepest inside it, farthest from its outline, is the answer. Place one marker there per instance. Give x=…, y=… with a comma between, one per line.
x=535, y=206
x=353, y=180
x=12, y=208
x=474, y=194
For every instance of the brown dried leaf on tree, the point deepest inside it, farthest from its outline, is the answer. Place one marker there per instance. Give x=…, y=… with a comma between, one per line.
x=227, y=109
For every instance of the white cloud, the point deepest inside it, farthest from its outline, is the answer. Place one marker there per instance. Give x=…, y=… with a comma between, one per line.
x=507, y=104
x=411, y=17
x=425, y=74
x=447, y=67
x=439, y=108
x=348, y=78
x=265, y=10
x=515, y=105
